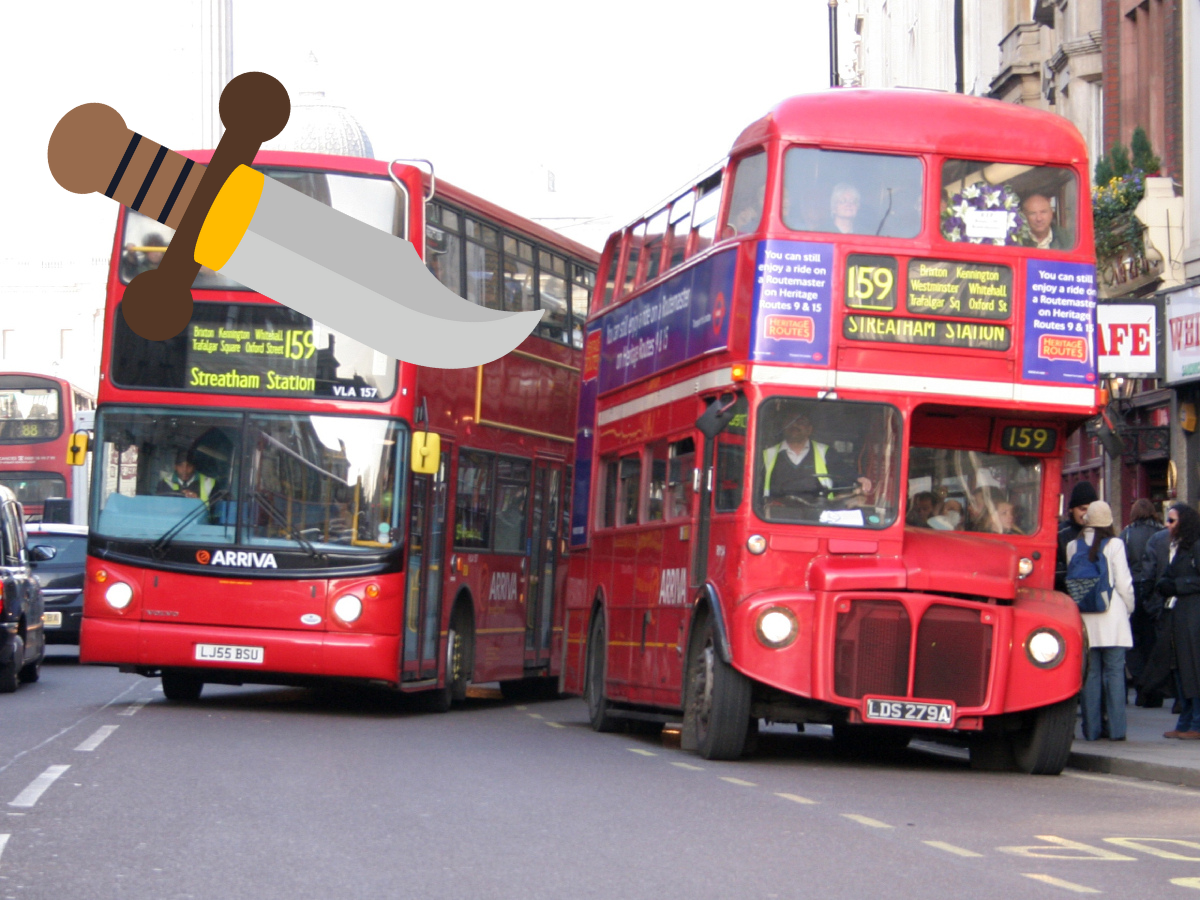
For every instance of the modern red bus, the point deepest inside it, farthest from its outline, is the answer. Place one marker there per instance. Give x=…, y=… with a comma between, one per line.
x=825, y=396
x=38, y=415
x=255, y=516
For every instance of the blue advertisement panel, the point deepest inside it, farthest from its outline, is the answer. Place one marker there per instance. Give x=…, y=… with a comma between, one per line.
x=585, y=436
x=793, y=303
x=684, y=317
x=1060, y=322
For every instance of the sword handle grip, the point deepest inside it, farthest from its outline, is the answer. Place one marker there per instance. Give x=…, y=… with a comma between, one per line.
x=92, y=150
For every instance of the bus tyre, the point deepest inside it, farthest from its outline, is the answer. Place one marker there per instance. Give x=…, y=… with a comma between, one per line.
x=1045, y=746
x=717, y=703
x=180, y=686
x=14, y=656
x=460, y=656
x=597, y=667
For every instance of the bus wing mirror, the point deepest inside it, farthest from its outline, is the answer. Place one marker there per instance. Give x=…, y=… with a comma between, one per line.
x=426, y=452
x=77, y=449
x=719, y=414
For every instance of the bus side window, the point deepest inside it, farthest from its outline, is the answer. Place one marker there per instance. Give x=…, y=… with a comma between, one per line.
x=681, y=461
x=443, y=246
x=657, y=483
x=473, y=501
x=630, y=490
x=656, y=230
x=704, y=221
x=632, y=257
x=681, y=227
x=483, y=265
x=582, y=288
x=608, y=511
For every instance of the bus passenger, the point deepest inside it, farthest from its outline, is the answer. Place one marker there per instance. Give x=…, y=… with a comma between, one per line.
x=185, y=481
x=1040, y=216
x=924, y=505
x=803, y=470
x=950, y=518
x=843, y=207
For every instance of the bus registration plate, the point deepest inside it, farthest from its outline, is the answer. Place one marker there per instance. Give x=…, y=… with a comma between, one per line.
x=229, y=653
x=909, y=711
x=52, y=619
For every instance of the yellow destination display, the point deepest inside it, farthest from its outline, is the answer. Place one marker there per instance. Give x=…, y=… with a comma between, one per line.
x=964, y=290
x=934, y=332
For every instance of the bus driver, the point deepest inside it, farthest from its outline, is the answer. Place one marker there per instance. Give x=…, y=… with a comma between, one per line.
x=802, y=470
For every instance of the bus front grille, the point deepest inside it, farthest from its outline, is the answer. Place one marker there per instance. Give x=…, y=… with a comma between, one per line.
x=954, y=656
x=872, y=651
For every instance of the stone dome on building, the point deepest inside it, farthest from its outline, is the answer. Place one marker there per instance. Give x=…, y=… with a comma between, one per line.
x=317, y=125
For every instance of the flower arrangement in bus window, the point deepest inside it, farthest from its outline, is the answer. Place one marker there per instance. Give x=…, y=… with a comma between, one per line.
x=984, y=213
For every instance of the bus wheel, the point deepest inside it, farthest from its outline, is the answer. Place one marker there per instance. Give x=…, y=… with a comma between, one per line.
x=597, y=666
x=1045, y=746
x=717, y=701
x=460, y=656
x=181, y=686
x=10, y=671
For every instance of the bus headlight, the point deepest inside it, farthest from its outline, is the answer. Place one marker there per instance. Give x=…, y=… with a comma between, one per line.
x=1024, y=567
x=347, y=608
x=756, y=544
x=776, y=627
x=118, y=595
x=1045, y=648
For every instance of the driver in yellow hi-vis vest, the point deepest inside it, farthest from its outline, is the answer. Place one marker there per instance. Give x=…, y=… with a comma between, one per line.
x=185, y=481
x=800, y=468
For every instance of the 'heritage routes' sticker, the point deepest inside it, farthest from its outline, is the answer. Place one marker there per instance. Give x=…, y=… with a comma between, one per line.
x=1060, y=322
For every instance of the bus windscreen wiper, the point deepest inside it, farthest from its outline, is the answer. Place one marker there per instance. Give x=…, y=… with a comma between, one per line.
x=281, y=520
x=159, y=547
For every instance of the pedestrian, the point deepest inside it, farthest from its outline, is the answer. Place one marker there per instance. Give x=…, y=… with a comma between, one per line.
x=1135, y=537
x=1108, y=631
x=1157, y=677
x=1081, y=495
x=1180, y=585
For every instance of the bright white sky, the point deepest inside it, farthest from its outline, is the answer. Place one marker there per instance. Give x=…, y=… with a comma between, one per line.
x=622, y=101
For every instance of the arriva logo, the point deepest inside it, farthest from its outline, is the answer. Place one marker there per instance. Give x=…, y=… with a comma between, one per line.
x=504, y=586
x=241, y=558
x=673, y=590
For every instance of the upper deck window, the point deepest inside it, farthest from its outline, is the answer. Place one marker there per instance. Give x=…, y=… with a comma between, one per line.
x=30, y=410
x=749, y=191
x=368, y=199
x=852, y=193
x=1010, y=204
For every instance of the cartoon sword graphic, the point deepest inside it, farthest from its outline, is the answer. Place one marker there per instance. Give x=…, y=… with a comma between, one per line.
x=333, y=268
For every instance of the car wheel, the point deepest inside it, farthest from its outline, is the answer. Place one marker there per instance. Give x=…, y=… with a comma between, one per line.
x=10, y=671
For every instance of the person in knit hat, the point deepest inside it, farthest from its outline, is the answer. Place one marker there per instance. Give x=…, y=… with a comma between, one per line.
x=1108, y=632
x=1082, y=495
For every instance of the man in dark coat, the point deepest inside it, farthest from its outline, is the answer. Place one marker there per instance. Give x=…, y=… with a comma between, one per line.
x=1153, y=679
x=1082, y=495
x=1135, y=537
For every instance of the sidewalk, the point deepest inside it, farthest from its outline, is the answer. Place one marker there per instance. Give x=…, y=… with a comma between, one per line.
x=1144, y=753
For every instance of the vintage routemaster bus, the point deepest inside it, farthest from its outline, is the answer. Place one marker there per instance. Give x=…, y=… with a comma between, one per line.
x=38, y=415
x=255, y=515
x=825, y=396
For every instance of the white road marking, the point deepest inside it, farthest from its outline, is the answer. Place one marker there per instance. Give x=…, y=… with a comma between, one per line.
x=866, y=820
x=1058, y=882
x=640, y=752
x=132, y=707
x=688, y=766
x=1187, y=882
x=950, y=848
x=556, y=724
x=38, y=786
x=738, y=781
x=4, y=841
x=796, y=798
x=98, y=738
x=535, y=715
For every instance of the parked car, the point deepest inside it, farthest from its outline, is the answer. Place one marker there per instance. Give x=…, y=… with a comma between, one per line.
x=22, y=637
x=61, y=578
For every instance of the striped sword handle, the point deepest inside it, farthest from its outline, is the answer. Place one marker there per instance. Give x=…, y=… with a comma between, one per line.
x=92, y=150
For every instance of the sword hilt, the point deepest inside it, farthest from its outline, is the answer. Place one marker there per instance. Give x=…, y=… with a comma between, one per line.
x=92, y=150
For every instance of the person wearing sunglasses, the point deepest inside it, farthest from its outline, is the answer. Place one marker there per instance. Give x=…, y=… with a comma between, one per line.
x=1179, y=587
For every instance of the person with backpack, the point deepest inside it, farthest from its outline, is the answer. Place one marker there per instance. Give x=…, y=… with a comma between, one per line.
x=1082, y=494
x=1135, y=537
x=1180, y=586
x=1099, y=581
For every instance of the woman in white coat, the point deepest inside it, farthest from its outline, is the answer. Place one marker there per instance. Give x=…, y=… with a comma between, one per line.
x=1109, y=634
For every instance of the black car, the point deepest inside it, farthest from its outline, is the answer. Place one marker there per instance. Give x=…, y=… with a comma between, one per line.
x=22, y=637
x=61, y=578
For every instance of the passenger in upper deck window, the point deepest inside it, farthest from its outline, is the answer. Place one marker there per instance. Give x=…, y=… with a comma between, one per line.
x=1039, y=213
x=844, y=202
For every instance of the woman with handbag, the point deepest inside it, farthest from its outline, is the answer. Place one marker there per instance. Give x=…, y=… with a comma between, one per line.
x=1180, y=585
x=1108, y=632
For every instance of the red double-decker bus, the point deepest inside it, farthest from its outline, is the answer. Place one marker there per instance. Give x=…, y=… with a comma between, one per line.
x=255, y=515
x=825, y=396
x=38, y=415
